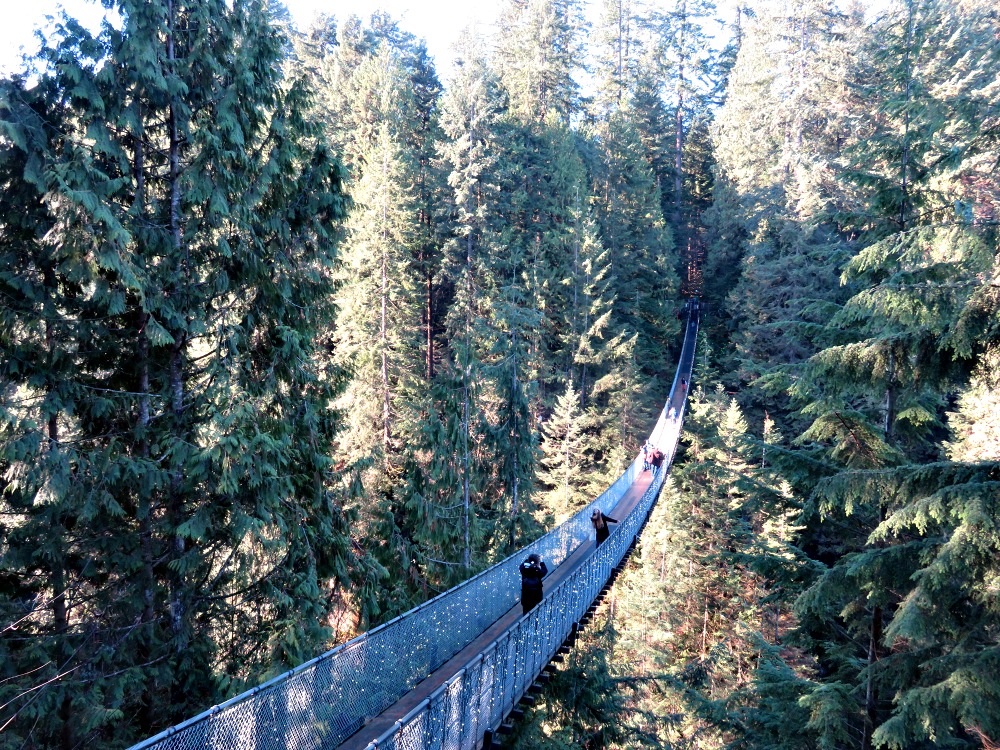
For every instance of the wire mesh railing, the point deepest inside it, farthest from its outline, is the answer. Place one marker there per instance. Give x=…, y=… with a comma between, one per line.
x=484, y=691
x=326, y=700
x=481, y=694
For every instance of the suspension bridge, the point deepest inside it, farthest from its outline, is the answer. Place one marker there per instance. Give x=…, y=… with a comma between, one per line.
x=451, y=673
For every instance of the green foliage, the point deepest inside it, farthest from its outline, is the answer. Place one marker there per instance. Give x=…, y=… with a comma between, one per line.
x=172, y=505
x=562, y=459
x=870, y=366
x=252, y=400
x=539, y=51
x=581, y=705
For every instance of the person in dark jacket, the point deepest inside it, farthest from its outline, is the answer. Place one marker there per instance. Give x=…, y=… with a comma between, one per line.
x=533, y=570
x=601, y=522
x=657, y=460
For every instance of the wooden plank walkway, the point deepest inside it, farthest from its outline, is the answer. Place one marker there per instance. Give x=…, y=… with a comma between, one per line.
x=377, y=726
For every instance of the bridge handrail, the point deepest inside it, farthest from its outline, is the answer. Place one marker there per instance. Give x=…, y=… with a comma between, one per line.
x=457, y=713
x=569, y=600
x=328, y=698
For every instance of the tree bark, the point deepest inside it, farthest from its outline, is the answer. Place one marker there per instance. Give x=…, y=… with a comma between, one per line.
x=144, y=503
x=60, y=612
x=176, y=364
x=679, y=124
x=429, y=327
x=871, y=689
x=466, y=505
x=905, y=156
x=383, y=330
x=877, y=621
x=516, y=479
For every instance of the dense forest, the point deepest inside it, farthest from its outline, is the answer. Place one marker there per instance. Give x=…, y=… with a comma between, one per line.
x=294, y=337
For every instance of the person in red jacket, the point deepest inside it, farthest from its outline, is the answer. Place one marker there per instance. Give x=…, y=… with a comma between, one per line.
x=657, y=460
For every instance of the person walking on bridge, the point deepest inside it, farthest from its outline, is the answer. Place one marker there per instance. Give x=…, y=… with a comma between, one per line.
x=601, y=522
x=533, y=570
x=657, y=460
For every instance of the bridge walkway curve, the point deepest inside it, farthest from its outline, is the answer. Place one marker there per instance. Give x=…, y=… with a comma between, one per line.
x=370, y=732
x=446, y=674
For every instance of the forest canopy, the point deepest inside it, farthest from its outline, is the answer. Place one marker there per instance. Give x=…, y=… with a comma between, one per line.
x=294, y=337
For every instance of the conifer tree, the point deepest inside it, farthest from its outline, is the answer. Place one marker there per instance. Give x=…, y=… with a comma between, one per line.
x=651, y=118
x=546, y=217
x=512, y=440
x=973, y=425
x=877, y=398
x=42, y=292
x=429, y=184
x=452, y=485
x=379, y=305
x=195, y=488
x=682, y=62
x=777, y=140
x=539, y=51
x=592, y=309
x=618, y=48
x=562, y=456
x=640, y=248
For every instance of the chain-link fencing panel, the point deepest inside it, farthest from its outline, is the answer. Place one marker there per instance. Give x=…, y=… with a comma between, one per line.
x=485, y=695
x=358, y=680
x=324, y=701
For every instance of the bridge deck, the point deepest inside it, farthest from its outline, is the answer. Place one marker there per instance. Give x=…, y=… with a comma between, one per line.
x=377, y=726
x=300, y=707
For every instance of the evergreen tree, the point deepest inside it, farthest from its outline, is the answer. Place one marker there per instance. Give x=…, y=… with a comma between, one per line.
x=512, y=439
x=974, y=427
x=682, y=64
x=777, y=141
x=592, y=309
x=561, y=459
x=44, y=293
x=189, y=497
x=876, y=398
x=618, y=47
x=378, y=300
x=640, y=249
x=538, y=53
x=451, y=487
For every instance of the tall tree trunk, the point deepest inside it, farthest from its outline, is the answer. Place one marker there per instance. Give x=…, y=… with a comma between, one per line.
x=429, y=326
x=466, y=505
x=578, y=330
x=60, y=611
x=176, y=365
x=871, y=689
x=586, y=332
x=907, y=93
x=877, y=621
x=704, y=633
x=383, y=329
x=679, y=125
x=60, y=616
x=618, y=60
x=144, y=503
x=515, y=442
